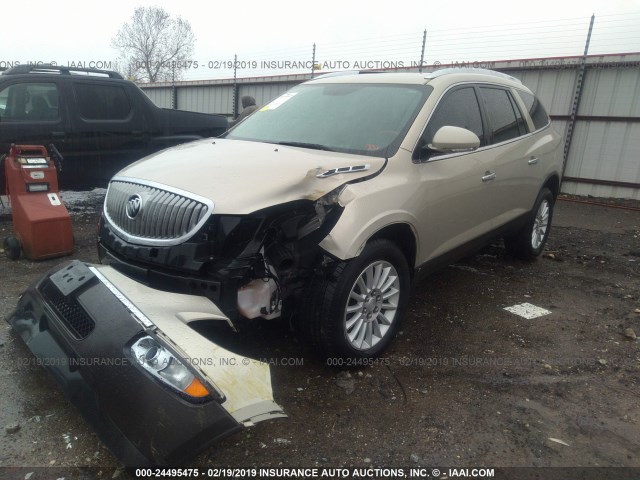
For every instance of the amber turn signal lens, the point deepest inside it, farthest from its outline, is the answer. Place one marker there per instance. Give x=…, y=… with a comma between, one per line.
x=196, y=389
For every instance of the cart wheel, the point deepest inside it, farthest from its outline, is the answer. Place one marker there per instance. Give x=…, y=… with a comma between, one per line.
x=12, y=247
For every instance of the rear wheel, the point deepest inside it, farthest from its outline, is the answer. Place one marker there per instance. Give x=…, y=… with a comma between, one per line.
x=529, y=242
x=12, y=247
x=356, y=311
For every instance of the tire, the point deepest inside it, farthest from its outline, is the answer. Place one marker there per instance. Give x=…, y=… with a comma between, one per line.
x=12, y=247
x=342, y=319
x=529, y=242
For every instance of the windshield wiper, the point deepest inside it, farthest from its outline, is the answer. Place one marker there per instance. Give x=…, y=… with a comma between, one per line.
x=313, y=146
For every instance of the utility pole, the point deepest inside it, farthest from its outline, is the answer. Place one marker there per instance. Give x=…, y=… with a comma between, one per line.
x=577, y=94
x=313, y=61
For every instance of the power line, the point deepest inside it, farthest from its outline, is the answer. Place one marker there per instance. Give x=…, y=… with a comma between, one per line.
x=564, y=36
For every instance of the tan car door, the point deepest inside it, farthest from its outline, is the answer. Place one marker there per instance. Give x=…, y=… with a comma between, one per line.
x=512, y=153
x=455, y=189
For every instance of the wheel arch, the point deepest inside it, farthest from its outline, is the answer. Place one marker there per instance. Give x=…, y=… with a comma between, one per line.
x=553, y=184
x=403, y=235
x=348, y=238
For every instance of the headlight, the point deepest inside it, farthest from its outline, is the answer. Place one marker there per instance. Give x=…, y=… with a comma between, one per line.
x=322, y=206
x=332, y=197
x=163, y=365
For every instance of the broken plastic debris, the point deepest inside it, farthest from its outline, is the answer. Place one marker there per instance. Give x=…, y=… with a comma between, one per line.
x=12, y=428
x=527, y=310
x=561, y=442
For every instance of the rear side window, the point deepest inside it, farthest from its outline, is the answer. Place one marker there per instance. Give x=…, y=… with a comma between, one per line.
x=459, y=108
x=536, y=110
x=522, y=126
x=102, y=102
x=502, y=116
x=29, y=102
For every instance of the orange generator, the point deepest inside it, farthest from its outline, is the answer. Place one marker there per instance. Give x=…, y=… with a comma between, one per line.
x=41, y=222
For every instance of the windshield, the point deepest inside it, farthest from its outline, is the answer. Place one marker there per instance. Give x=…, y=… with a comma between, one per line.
x=368, y=119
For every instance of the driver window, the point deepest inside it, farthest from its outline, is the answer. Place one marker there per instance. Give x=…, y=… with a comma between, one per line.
x=29, y=102
x=458, y=109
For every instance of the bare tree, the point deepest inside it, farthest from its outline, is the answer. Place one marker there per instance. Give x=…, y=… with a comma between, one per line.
x=154, y=46
x=127, y=67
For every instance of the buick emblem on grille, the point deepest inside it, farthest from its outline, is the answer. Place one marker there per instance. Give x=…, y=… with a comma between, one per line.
x=134, y=206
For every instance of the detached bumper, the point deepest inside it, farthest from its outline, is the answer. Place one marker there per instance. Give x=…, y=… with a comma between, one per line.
x=81, y=321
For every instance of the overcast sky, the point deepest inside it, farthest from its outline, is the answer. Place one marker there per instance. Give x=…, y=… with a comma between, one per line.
x=74, y=30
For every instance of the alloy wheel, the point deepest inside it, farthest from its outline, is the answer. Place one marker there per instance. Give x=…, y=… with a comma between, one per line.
x=372, y=305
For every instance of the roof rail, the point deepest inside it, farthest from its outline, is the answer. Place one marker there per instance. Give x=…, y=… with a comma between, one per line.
x=479, y=71
x=337, y=74
x=48, y=68
x=346, y=72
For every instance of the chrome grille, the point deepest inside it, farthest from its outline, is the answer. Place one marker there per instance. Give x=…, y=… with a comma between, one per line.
x=166, y=216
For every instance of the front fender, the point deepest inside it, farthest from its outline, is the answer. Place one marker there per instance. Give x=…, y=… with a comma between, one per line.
x=358, y=223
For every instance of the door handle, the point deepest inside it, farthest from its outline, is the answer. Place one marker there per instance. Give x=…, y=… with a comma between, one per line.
x=57, y=135
x=488, y=176
x=532, y=160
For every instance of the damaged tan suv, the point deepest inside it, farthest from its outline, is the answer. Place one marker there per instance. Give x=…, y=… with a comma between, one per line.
x=324, y=204
x=320, y=208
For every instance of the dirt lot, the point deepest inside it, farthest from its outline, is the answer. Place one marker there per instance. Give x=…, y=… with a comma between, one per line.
x=466, y=383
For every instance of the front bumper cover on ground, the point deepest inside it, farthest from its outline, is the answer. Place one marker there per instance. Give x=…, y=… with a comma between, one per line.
x=80, y=321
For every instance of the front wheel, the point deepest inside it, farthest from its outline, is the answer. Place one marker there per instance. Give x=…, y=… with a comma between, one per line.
x=356, y=311
x=529, y=242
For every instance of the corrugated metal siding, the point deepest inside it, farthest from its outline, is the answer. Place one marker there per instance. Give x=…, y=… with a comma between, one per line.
x=604, y=151
x=553, y=87
x=600, y=191
x=160, y=96
x=217, y=99
x=613, y=92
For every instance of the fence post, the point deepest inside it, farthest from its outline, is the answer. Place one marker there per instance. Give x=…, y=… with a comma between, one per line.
x=577, y=94
x=235, y=86
x=424, y=42
x=174, y=90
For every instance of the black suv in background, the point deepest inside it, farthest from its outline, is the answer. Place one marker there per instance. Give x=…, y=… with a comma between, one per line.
x=98, y=121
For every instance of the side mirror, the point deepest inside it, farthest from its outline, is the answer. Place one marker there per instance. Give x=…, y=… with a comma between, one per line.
x=450, y=139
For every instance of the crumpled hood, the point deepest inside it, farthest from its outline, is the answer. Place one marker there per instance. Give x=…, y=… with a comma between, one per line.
x=241, y=177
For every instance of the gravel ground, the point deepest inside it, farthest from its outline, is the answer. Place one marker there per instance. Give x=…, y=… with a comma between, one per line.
x=465, y=384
